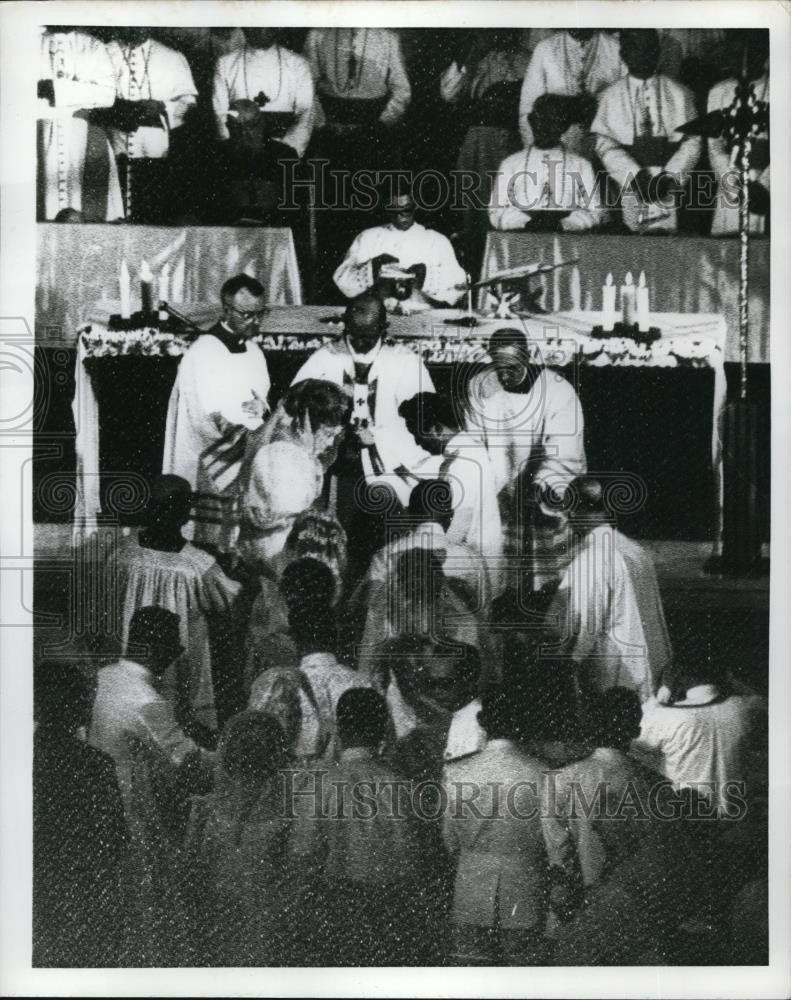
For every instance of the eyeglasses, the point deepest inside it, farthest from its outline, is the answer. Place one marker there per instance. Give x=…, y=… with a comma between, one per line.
x=247, y=315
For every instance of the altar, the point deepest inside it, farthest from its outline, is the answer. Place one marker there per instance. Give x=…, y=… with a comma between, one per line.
x=652, y=413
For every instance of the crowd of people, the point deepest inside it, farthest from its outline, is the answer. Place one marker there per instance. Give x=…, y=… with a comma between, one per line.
x=540, y=129
x=392, y=688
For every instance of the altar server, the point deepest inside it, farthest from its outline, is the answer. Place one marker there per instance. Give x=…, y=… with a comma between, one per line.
x=154, y=91
x=636, y=137
x=76, y=169
x=220, y=394
x=428, y=255
x=353, y=65
x=608, y=605
x=575, y=61
x=546, y=187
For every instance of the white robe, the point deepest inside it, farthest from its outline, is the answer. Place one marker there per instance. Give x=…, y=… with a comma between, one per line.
x=476, y=514
x=545, y=179
x=205, y=408
x=416, y=245
x=82, y=76
x=705, y=746
x=189, y=583
x=617, y=125
x=282, y=75
x=724, y=161
x=151, y=71
x=609, y=611
x=561, y=65
x=395, y=375
x=380, y=73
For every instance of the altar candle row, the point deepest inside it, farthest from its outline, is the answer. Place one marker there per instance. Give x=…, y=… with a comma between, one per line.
x=146, y=288
x=635, y=304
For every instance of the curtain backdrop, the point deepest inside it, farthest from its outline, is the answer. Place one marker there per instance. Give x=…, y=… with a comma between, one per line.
x=79, y=265
x=686, y=275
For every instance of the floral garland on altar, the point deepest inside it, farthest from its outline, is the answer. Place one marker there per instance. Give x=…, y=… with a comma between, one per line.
x=684, y=349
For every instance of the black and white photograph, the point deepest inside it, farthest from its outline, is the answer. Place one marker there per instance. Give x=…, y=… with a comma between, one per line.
x=390, y=520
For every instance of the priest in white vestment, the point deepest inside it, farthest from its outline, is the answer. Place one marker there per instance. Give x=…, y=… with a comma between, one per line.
x=573, y=62
x=466, y=466
x=608, y=608
x=271, y=75
x=724, y=158
x=532, y=424
x=545, y=186
x=439, y=279
x=220, y=394
x=75, y=75
x=636, y=137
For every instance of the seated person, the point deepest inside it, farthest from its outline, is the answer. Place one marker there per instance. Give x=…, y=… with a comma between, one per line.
x=427, y=255
x=79, y=830
x=637, y=141
x=545, y=187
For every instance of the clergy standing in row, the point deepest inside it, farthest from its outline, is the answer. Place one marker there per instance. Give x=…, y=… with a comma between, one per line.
x=439, y=278
x=76, y=169
x=219, y=396
x=636, y=137
x=154, y=91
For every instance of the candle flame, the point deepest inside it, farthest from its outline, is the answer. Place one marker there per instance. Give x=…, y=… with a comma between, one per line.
x=641, y=282
x=629, y=279
x=145, y=271
x=608, y=280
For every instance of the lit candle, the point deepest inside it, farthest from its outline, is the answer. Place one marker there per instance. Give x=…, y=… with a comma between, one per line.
x=643, y=307
x=608, y=304
x=146, y=288
x=124, y=283
x=164, y=282
x=627, y=300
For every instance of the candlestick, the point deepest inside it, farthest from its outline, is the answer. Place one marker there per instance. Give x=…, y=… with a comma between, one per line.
x=126, y=299
x=643, y=305
x=146, y=288
x=627, y=300
x=608, y=304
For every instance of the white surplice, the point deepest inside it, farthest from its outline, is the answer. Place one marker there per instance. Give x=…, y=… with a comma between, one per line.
x=205, y=410
x=396, y=374
x=189, y=583
x=544, y=180
x=445, y=278
x=284, y=78
x=82, y=77
x=151, y=71
x=377, y=69
x=609, y=611
x=562, y=65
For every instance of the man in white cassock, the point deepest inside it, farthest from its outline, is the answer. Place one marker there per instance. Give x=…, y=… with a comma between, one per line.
x=636, y=137
x=403, y=243
x=263, y=106
x=608, y=608
x=574, y=62
x=76, y=169
x=438, y=427
x=545, y=186
x=220, y=394
x=353, y=65
x=531, y=422
x=154, y=92
x=378, y=455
